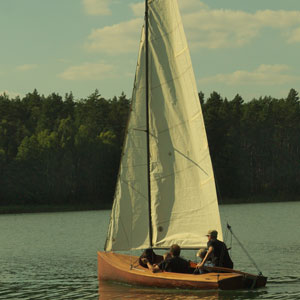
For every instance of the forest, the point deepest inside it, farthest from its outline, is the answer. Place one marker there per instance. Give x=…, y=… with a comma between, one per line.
x=63, y=152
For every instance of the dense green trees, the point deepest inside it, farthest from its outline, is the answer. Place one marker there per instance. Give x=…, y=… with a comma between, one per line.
x=58, y=151
x=255, y=146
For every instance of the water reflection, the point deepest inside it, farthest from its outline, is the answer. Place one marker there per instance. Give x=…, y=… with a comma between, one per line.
x=116, y=291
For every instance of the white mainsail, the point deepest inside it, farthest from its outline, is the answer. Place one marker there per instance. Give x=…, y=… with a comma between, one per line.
x=183, y=196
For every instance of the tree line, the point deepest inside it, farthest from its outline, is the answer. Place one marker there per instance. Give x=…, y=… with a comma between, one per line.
x=254, y=146
x=56, y=150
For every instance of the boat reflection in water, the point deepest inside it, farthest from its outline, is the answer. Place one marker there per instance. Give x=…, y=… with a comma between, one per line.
x=118, y=291
x=115, y=291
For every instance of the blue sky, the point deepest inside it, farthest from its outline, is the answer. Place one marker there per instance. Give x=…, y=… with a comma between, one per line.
x=237, y=46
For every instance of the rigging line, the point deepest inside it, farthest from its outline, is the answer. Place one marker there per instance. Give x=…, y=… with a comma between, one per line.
x=192, y=161
x=147, y=116
x=183, y=170
x=133, y=188
x=178, y=172
x=231, y=244
x=244, y=249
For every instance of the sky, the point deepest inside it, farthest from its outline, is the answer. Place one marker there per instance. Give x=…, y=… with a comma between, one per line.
x=246, y=47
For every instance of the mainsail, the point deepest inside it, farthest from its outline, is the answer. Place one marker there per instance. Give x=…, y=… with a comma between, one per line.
x=183, y=195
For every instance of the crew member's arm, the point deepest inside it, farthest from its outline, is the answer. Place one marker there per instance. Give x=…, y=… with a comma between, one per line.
x=201, y=264
x=153, y=268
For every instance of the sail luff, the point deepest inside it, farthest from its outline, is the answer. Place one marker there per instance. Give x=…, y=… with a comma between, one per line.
x=128, y=227
x=147, y=118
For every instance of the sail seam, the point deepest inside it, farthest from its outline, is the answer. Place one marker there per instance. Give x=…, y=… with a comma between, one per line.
x=138, y=192
x=173, y=127
x=134, y=166
x=170, y=174
x=168, y=33
x=195, y=164
x=175, y=78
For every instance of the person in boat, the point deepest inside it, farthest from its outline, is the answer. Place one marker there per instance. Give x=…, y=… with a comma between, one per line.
x=172, y=263
x=217, y=250
x=167, y=255
x=201, y=254
x=150, y=256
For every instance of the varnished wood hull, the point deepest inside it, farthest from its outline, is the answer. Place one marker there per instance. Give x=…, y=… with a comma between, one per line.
x=124, y=268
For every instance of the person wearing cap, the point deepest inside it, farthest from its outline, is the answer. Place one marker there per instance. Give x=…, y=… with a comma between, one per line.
x=218, y=250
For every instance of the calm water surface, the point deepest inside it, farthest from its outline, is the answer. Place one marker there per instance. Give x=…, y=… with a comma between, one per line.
x=53, y=255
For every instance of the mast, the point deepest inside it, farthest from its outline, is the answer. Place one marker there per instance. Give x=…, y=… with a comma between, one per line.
x=147, y=117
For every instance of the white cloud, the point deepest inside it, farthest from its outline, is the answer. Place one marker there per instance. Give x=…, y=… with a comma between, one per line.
x=294, y=36
x=138, y=8
x=97, y=7
x=191, y=5
x=277, y=18
x=207, y=28
x=119, y=38
x=88, y=71
x=184, y=5
x=26, y=67
x=263, y=75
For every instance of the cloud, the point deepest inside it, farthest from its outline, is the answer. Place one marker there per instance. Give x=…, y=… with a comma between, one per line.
x=205, y=28
x=263, y=75
x=219, y=28
x=191, y=5
x=10, y=94
x=294, y=36
x=88, y=71
x=277, y=18
x=26, y=67
x=138, y=9
x=97, y=7
x=184, y=5
x=119, y=38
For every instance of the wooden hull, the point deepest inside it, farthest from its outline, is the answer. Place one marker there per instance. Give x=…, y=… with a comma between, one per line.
x=117, y=267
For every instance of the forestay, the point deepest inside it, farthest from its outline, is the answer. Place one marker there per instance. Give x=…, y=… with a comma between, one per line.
x=183, y=196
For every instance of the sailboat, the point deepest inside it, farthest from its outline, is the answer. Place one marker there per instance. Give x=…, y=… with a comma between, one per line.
x=165, y=191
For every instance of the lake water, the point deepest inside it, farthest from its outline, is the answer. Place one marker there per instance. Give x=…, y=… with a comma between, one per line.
x=54, y=255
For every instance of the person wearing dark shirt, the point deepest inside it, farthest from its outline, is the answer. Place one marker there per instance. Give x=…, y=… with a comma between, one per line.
x=175, y=263
x=218, y=251
x=150, y=256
